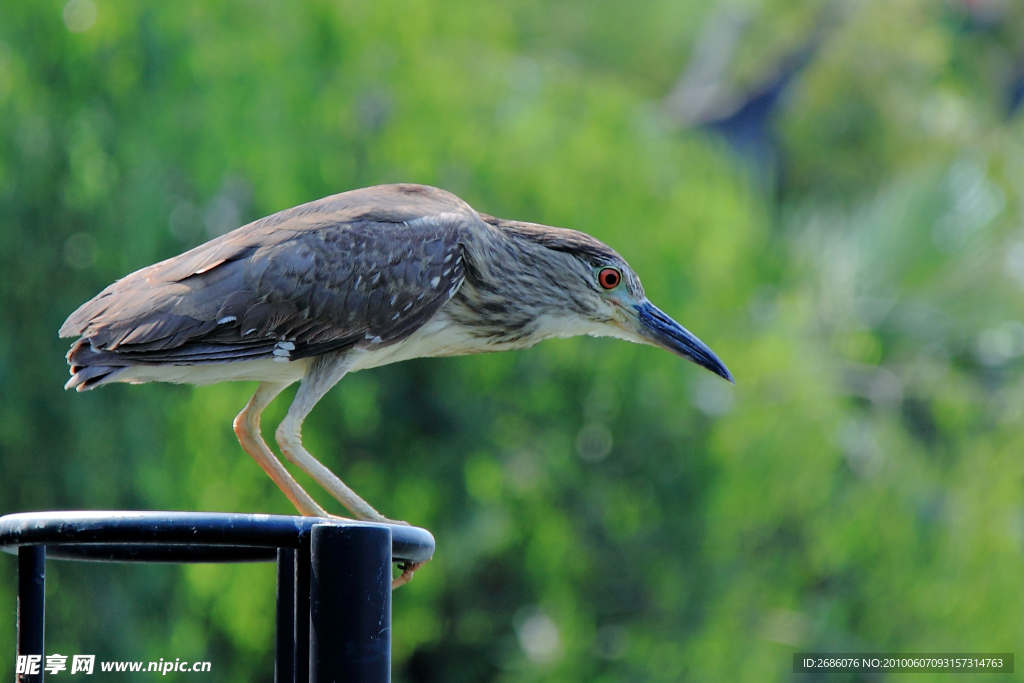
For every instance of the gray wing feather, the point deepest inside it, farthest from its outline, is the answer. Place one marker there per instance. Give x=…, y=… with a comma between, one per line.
x=360, y=269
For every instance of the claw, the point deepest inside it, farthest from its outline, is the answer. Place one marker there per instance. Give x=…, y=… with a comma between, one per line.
x=408, y=569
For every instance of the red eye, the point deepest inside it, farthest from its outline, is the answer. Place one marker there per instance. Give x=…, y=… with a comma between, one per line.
x=609, y=278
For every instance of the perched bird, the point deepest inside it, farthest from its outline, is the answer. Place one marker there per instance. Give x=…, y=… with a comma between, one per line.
x=354, y=281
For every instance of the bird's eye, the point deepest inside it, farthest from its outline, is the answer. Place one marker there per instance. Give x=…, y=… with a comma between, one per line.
x=609, y=278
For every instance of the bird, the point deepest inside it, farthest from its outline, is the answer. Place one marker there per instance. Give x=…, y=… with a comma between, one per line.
x=354, y=281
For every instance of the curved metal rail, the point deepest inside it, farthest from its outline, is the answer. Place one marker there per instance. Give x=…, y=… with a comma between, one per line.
x=333, y=576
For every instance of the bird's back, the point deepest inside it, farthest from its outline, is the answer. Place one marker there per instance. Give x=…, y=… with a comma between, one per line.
x=365, y=267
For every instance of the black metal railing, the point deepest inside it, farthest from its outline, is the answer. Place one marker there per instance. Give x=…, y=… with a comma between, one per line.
x=333, y=576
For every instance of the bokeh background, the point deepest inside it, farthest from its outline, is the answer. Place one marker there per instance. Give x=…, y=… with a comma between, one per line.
x=828, y=193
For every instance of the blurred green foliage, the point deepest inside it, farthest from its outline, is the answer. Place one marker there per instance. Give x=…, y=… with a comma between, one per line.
x=603, y=512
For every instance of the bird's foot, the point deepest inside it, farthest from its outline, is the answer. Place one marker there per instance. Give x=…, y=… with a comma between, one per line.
x=408, y=569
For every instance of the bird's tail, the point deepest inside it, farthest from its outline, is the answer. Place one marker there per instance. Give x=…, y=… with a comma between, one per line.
x=87, y=368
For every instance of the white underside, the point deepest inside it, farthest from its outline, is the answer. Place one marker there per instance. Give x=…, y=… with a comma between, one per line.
x=263, y=370
x=437, y=337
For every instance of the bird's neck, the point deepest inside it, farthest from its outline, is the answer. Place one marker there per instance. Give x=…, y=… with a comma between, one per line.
x=511, y=296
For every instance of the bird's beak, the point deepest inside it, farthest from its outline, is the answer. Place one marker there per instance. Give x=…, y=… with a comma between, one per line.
x=660, y=330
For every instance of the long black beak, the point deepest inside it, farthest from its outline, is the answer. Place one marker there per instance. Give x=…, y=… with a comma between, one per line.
x=665, y=332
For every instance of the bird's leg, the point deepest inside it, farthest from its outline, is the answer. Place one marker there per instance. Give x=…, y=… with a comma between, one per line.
x=323, y=374
x=247, y=428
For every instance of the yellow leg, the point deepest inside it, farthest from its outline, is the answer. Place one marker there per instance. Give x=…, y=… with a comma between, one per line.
x=323, y=374
x=247, y=428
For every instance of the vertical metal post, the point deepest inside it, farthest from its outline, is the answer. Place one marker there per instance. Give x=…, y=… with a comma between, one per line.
x=350, y=604
x=284, y=658
x=302, y=572
x=31, y=607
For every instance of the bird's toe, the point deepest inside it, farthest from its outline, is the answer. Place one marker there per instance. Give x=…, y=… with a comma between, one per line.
x=408, y=569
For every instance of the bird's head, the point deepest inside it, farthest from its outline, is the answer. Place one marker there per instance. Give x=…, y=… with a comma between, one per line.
x=589, y=279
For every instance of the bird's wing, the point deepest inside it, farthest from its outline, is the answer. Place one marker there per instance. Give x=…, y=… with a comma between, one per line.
x=362, y=268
